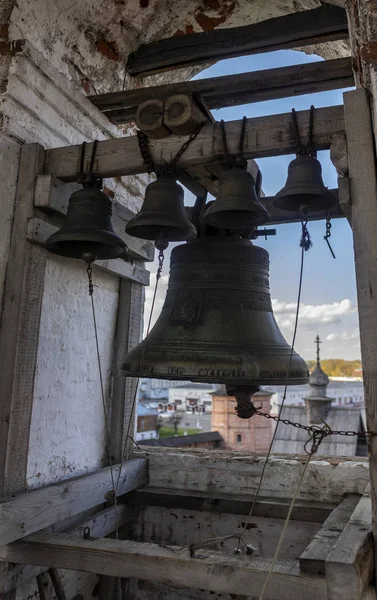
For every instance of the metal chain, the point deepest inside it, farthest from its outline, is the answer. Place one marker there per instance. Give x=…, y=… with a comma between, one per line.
x=144, y=151
x=169, y=168
x=328, y=235
x=313, y=428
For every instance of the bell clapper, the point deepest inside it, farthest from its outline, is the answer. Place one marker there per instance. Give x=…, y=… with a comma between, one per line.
x=245, y=408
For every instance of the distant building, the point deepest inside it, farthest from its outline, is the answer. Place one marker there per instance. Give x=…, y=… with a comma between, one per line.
x=147, y=419
x=317, y=409
x=192, y=397
x=253, y=434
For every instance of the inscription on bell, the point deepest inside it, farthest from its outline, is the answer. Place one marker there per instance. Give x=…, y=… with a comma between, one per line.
x=188, y=308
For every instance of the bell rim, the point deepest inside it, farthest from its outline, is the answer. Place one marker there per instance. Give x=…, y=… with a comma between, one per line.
x=188, y=232
x=114, y=241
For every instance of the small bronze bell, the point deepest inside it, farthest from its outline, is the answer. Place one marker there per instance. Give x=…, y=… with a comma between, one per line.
x=163, y=215
x=304, y=190
x=217, y=323
x=237, y=205
x=87, y=232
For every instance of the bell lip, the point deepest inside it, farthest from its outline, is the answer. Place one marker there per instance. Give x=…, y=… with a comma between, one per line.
x=188, y=232
x=211, y=215
x=114, y=243
x=281, y=201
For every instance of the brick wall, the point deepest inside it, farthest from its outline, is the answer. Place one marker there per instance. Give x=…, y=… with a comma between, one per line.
x=253, y=434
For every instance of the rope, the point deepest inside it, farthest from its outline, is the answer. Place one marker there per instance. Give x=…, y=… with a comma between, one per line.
x=239, y=535
x=124, y=453
x=285, y=527
x=107, y=429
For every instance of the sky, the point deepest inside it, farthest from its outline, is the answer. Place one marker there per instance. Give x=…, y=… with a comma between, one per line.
x=328, y=301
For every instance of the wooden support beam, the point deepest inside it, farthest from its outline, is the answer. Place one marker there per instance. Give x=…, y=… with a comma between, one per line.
x=234, y=90
x=52, y=196
x=350, y=565
x=100, y=524
x=324, y=24
x=265, y=136
x=19, y=328
x=210, y=570
x=279, y=216
x=363, y=187
x=36, y=509
x=39, y=231
x=313, y=559
x=269, y=508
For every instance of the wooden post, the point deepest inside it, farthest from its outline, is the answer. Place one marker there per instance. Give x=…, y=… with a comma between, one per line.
x=363, y=186
x=19, y=329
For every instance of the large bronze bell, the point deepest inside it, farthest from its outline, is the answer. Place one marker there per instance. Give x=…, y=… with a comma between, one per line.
x=304, y=190
x=87, y=232
x=163, y=215
x=237, y=205
x=217, y=323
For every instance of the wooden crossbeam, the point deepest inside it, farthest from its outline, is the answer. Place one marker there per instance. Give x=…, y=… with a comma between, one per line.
x=264, y=136
x=36, y=509
x=234, y=90
x=268, y=508
x=313, y=559
x=209, y=570
x=324, y=24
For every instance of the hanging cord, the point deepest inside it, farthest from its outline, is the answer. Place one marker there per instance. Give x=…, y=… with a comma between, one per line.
x=328, y=235
x=316, y=440
x=239, y=160
x=107, y=429
x=239, y=536
x=124, y=453
x=305, y=240
x=88, y=179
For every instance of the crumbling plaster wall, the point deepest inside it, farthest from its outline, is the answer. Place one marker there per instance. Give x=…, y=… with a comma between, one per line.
x=89, y=41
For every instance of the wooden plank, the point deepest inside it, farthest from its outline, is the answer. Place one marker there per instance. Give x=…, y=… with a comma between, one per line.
x=264, y=136
x=36, y=509
x=19, y=329
x=100, y=524
x=269, y=508
x=279, y=216
x=234, y=90
x=350, y=565
x=52, y=196
x=210, y=570
x=324, y=24
x=313, y=559
x=39, y=231
x=363, y=186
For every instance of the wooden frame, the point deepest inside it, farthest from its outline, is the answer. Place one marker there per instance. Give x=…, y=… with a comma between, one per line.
x=234, y=90
x=324, y=24
x=36, y=509
x=265, y=136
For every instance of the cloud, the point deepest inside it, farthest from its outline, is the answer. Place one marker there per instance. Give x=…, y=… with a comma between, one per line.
x=311, y=315
x=344, y=336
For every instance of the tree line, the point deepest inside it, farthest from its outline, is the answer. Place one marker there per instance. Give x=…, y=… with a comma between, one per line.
x=338, y=367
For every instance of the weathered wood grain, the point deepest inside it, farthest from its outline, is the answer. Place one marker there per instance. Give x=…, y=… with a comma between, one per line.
x=363, y=188
x=19, y=329
x=234, y=90
x=313, y=559
x=264, y=136
x=39, y=231
x=36, y=509
x=210, y=570
x=100, y=524
x=295, y=30
x=350, y=565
